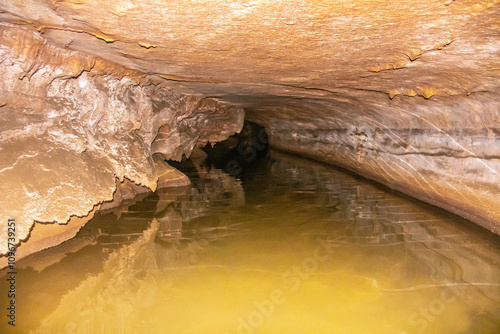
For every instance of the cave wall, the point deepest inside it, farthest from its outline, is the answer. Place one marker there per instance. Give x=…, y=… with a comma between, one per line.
x=75, y=127
x=402, y=92
x=444, y=151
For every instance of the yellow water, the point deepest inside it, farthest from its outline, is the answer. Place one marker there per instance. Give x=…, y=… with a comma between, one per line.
x=292, y=247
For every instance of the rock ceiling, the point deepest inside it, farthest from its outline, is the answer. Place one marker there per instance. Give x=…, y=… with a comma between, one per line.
x=409, y=48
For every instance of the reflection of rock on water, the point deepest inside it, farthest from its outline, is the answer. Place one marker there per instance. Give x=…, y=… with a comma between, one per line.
x=206, y=258
x=162, y=235
x=122, y=298
x=173, y=208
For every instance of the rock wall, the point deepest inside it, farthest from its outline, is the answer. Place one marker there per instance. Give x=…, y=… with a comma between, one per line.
x=73, y=126
x=444, y=151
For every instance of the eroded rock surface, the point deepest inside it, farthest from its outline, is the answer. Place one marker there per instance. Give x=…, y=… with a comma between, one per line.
x=402, y=92
x=74, y=125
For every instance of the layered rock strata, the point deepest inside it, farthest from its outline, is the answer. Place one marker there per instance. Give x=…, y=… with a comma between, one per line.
x=402, y=92
x=439, y=152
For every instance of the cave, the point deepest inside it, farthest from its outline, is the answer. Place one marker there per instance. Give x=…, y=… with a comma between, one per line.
x=250, y=166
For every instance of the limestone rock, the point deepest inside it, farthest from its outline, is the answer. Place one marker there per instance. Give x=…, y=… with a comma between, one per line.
x=403, y=92
x=71, y=124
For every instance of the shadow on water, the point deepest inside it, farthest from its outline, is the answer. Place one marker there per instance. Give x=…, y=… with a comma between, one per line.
x=288, y=245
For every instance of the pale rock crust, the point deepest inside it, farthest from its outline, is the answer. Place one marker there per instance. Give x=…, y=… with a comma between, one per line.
x=74, y=126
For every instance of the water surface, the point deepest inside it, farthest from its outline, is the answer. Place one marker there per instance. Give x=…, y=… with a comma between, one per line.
x=291, y=246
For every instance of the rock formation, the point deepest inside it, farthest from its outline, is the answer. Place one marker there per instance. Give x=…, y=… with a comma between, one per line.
x=76, y=127
x=402, y=92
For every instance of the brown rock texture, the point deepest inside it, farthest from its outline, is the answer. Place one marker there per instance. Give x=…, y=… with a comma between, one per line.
x=74, y=125
x=402, y=92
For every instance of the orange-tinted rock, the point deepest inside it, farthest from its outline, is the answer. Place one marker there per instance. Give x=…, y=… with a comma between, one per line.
x=68, y=131
x=403, y=92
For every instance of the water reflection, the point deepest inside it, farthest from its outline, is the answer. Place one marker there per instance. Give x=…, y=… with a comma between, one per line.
x=292, y=247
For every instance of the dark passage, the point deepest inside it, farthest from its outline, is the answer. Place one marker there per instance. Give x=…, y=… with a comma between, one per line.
x=240, y=151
